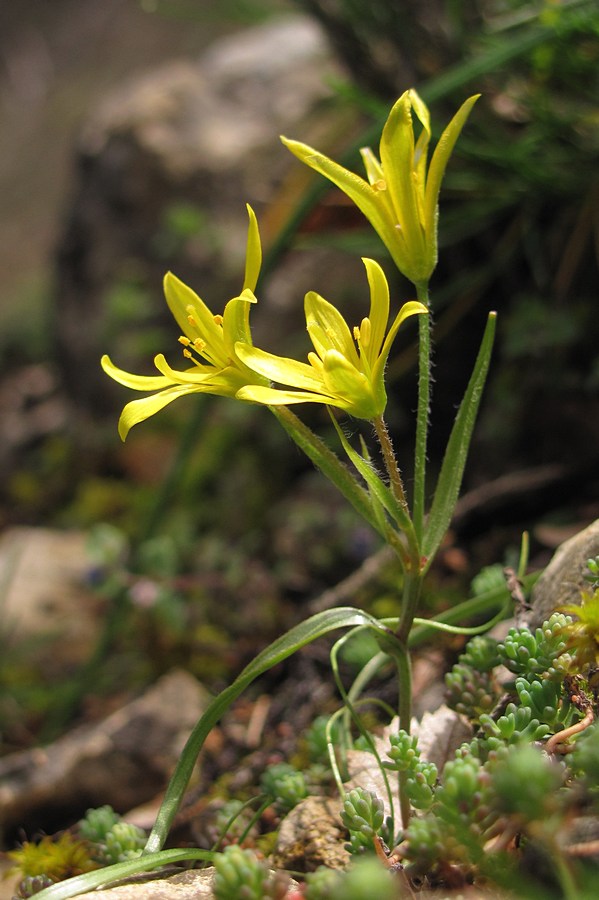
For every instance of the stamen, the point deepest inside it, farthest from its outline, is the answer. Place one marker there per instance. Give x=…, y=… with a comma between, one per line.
x=193, y=349
x=315, y=361
x=365, y=332
x=192, y=321
x=218, y=319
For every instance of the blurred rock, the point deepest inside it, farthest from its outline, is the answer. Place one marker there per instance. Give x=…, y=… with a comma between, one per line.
x=311, y=835
x=31, y=408
x=193, y=885
x=164, y=168
x=563, y=580
x=123, y=760
x=44, y=598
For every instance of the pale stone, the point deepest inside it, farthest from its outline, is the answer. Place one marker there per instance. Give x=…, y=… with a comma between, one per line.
x=312, y=835
x=192, y=885
x=563, y=580
x=123, y=760
x=43, y=572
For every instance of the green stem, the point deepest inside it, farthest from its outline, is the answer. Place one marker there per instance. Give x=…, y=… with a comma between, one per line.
x=404, y=674
x=410, y=600
x=390, y=461
x=423, y=409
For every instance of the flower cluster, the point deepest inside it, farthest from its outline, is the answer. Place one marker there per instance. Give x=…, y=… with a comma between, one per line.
x=346, y=367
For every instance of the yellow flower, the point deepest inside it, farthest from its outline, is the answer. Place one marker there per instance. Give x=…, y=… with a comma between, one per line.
x=208, y=341
x=347, y=370
x=400, y=198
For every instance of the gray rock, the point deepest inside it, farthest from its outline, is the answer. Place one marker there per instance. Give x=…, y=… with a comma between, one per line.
x=43, y=571
x=193, y=885
x=563, y=580
x=124, y=760
x=311, y=835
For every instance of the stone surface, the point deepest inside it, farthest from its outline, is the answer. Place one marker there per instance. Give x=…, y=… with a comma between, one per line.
x=44, y=597
x=123, y=760
x=311, y=835
x=193, y=885
x=563, y=580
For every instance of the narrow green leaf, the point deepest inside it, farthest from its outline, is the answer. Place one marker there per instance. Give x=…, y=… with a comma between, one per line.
x=456, y=452
x=376, y=485
x=328, y=463
x=81, y=884
x=302, y=634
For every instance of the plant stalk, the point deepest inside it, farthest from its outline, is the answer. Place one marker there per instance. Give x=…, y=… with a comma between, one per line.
x=423, y=409
x=390, y=460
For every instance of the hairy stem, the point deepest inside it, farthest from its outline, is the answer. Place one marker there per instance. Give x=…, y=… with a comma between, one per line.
x=423, y=409
x=390, y=461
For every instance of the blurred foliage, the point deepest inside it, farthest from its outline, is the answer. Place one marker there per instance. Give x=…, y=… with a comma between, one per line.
x=519, y=230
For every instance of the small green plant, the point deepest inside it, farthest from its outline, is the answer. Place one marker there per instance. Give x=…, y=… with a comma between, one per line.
x=239, y=875
x=363, y=816
x=285, y=784
x=50, y=860
x=448, y=817
x=345, y=371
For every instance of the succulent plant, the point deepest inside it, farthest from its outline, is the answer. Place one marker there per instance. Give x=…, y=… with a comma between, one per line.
x=285, y=784
x=239, y=875
x=363, y=816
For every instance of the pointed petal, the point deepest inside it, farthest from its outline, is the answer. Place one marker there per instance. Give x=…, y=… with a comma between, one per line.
x=348, y=385
x=369, y=201
x=411, y=308
x=374, y=170
x=195, y=375
x=272, y=397
x=379, y=309
x=253, y=253
x=397, y=159
x=137, y=382
x=440, y=158
x=140, y=410
x=421, y=149
x=279, y=368
x=328, y=329
x=179, y=298
x=236, y=321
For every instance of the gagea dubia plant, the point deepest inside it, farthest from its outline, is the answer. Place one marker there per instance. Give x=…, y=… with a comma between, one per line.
x=344, y=369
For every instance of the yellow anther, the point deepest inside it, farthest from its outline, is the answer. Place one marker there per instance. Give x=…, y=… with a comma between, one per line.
x=188, y=354
x=218, y=319
x=356, y=334
x=199, y=345
x=365, y=332
x=380, y=185
x=315, y=361
x=192, y=321
x=184, y=340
